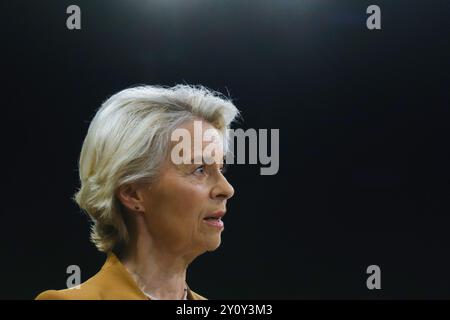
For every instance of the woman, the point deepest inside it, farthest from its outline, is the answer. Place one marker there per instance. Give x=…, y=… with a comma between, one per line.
x=153, y=215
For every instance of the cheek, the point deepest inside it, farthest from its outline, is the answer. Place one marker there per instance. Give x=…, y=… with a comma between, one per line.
x=184, y=202
x=181, y=216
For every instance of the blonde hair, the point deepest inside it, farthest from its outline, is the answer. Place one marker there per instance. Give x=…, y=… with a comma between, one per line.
x=127, y=141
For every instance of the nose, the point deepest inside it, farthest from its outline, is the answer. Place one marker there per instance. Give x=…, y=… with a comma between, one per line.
x=222, y=189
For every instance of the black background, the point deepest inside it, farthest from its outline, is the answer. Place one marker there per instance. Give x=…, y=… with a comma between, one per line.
x=363, y=118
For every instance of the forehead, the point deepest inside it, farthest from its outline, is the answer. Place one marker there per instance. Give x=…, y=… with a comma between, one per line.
x=203, y=130
x=204, y=141
x=198, y=124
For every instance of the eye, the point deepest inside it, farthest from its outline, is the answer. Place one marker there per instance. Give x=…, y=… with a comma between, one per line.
x=200, y=170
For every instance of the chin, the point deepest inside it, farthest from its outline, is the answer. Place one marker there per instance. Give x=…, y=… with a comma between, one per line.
x=213, y=244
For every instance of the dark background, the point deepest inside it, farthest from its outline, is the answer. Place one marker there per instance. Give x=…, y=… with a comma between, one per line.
x=364, y=126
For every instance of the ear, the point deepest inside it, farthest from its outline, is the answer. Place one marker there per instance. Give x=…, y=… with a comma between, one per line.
x=132, y=197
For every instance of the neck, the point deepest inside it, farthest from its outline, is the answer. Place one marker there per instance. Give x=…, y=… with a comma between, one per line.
x=157, y=271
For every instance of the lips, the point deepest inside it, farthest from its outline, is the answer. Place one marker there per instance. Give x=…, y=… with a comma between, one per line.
x=215, y=215
x=215, y=219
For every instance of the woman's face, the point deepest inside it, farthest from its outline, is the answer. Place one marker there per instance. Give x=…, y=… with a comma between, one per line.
x=177, y=204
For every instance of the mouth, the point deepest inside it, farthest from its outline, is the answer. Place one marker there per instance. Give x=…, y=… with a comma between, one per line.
x=215, y=219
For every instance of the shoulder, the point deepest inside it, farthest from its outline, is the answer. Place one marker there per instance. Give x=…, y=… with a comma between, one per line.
x=89, y=290
x=68, y=294
x=50, y=295
x=112, y=282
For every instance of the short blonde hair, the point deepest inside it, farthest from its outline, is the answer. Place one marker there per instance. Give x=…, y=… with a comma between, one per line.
x=127, y=141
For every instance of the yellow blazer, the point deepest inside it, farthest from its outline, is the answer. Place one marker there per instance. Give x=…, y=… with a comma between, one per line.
x=112, y=282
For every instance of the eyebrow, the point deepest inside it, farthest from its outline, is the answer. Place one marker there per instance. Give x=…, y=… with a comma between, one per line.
x=199, y=160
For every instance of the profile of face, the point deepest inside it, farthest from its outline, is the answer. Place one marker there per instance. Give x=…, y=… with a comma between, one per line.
x=182, y=208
